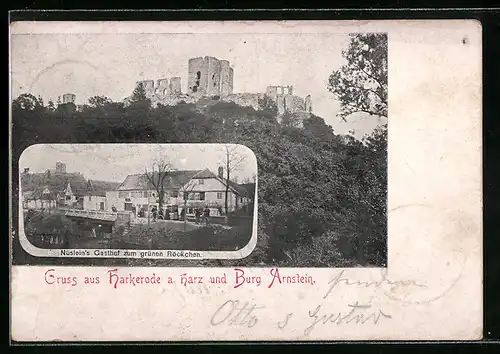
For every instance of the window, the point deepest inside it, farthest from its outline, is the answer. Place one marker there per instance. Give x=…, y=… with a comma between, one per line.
x=201, y=181
x=219, y=195
x=202, y=195
x=68, y=197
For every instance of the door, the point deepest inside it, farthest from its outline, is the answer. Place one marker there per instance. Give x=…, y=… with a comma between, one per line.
x=128, y=206
x=101, y=206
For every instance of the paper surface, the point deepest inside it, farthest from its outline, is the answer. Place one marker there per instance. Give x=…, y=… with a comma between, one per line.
x=431, y=288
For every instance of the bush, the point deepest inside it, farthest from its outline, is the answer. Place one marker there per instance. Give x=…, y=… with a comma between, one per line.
x=323, y=250
x=39, y=224
x=204, y=238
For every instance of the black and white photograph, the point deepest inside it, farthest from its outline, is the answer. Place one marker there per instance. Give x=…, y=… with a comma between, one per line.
x=138, y=197
x=311, y=108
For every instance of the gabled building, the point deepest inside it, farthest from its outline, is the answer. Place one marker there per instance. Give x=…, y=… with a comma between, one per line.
x=95, y=195
x=192, y=189
x=137, y=192
x=41, y=190
x=208, y=190
x=40, y=198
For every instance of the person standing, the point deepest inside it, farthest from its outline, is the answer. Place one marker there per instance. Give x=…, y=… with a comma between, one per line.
x=155, y=213
x=206, y=215
x=198, y=216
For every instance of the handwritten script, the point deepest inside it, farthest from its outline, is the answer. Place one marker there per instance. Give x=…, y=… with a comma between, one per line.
x=249, y=314
x=381, y=283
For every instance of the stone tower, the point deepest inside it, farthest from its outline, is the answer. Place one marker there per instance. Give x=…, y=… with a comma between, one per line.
x=210, y=76
x=69, y=98
x=60, y=167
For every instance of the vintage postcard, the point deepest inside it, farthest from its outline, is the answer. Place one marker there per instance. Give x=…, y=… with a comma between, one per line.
x=246, y=181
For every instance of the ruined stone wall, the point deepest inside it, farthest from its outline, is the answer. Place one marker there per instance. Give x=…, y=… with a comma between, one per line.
x=308, y=104
x=148, y=85
x=175, y=85
x=213, y=76
x=231, y=76
x=286, y=101
x=226, y=78
x=245, y=99
x=162, y=87
x=294, y=104
x=274, y=91
x=280, y=103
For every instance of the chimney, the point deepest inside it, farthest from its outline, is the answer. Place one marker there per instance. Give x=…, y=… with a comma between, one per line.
x=221, y=172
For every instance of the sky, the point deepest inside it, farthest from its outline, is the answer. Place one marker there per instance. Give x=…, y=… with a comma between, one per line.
x=50, y=65
x=113, y=162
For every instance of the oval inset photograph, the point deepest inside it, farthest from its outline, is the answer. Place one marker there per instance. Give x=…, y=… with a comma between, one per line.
x=170, y=201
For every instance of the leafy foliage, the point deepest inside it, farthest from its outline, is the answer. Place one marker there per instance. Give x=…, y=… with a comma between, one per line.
x=361, y=84
x=321, y=197
x=211, y=237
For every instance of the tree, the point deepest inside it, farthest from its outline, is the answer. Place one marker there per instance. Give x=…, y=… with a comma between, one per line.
x=361, y=84
x=66, y=109
x=139, y=98
x=50, y=106
x=99, y=101
x=232, y=162
x=156, y=177
x=185, y=191
x=268, y=105
x=28, y=103
x=139, y=110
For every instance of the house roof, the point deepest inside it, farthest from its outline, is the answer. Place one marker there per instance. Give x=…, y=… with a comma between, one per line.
x=174, y=180
x=36, y=183
x=99, y=188
x=206, y=173
x=177, y=179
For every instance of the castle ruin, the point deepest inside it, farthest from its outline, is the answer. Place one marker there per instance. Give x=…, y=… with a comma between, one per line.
x=68, y=98
x=209, y=77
